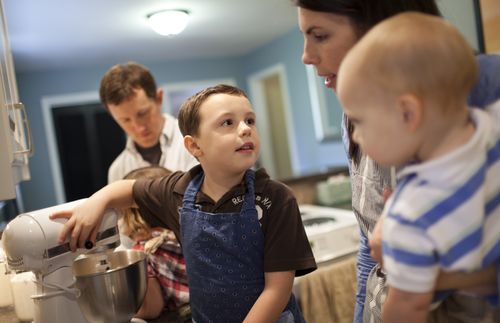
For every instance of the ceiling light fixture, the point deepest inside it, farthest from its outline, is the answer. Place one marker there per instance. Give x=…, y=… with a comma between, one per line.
x=168, y=22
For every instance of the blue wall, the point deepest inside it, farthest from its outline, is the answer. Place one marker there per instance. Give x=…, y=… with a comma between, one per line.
x=287, y=50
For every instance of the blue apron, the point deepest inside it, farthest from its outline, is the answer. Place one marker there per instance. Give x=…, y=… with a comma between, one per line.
x=224, y=255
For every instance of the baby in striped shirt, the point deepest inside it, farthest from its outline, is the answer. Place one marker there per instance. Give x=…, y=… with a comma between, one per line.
x=416, y=72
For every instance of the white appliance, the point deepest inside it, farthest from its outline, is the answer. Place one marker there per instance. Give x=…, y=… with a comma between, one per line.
x=22, y=286
x=332, y=232
x=5, y=276
x=30, y=243
x=15, y=134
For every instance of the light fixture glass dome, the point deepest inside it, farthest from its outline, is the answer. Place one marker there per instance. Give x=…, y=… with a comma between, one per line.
x=168, y=22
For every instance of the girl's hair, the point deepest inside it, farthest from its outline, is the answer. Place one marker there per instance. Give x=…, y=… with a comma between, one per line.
x=365, y=14
x=132, y=221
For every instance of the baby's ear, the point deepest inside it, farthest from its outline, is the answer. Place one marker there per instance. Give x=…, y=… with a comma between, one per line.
x=411, y=109
x=192, y=146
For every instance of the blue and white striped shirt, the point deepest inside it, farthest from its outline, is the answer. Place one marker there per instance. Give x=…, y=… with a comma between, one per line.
x=445, y=213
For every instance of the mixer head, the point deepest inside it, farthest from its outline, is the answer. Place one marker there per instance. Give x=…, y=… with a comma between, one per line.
x=31, y=240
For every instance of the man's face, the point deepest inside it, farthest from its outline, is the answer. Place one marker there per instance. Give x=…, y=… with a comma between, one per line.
x=140, y=117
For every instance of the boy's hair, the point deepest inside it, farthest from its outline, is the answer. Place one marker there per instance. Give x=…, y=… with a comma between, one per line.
x=189, y=113
x=419, y=54
x=132, y=219
x=122, y=80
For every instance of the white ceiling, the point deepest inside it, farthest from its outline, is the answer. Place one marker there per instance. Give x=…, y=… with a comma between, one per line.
x=57, y=34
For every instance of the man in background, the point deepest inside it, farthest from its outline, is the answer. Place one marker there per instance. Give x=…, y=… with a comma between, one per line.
x=129, y=93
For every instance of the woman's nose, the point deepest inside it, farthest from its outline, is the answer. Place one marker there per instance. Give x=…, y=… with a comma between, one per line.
x=308, y=55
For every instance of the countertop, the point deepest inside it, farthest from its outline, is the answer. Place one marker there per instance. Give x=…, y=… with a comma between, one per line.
x=8, y=315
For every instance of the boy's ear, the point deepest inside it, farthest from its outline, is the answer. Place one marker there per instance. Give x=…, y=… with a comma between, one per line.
x=412, y=111
x=192, y=146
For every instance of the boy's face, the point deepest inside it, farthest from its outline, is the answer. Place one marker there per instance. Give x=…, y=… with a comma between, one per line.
x=227, y=138
x=140, y=117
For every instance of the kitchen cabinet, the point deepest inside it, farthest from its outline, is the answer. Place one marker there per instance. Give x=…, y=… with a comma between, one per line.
x=15, y=135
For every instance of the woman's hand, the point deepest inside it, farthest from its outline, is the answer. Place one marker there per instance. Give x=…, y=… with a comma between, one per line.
x=484, y=280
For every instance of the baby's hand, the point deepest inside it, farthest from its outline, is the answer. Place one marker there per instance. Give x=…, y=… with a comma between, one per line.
x=375, y=239
x=82, y=225
x=375, y=242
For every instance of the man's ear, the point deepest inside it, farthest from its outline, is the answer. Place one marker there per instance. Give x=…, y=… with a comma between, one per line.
x=159, y=96
x=192, y=146
x=412, y=111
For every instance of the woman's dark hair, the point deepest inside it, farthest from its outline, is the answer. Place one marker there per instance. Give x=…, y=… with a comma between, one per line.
x=365, y=14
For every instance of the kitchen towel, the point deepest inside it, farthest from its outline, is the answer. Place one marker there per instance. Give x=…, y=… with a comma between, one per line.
x=328, y=294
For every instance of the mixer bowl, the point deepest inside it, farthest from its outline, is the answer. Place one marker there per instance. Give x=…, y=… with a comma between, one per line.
x=112, y=285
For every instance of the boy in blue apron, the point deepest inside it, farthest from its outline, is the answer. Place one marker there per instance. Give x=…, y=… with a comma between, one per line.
x=241, y=232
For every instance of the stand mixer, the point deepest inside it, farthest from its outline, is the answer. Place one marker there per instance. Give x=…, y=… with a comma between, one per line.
x=30, y=243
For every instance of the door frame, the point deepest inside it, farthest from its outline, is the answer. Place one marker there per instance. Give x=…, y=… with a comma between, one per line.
x=54, y=102
x=257, y=94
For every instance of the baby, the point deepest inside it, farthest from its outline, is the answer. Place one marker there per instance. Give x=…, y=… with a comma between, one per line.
x=415, y=72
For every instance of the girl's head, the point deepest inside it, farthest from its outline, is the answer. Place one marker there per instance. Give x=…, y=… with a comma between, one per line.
x=132, y=223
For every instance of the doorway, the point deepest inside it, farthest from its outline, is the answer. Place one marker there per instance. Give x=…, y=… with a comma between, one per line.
x=88, y=140
x=271, y=102
x=83, y=140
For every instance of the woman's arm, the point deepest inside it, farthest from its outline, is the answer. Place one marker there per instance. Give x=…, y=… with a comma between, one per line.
x=446, y=280
x=486, y=277
x=85, y=219
x=401, y=306
x=273, y=299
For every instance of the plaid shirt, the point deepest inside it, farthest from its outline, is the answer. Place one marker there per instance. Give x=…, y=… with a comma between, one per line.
x=167, y=264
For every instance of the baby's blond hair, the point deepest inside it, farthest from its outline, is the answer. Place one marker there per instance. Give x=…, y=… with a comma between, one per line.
x=419, y=54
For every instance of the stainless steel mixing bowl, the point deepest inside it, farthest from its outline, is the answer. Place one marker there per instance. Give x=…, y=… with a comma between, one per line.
x=112, y=285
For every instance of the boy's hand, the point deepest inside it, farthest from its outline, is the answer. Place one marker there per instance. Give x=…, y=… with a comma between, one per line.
x=82, y=225
x=85, y=219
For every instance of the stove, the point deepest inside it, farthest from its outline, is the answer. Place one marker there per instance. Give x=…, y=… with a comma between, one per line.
x=332, y=232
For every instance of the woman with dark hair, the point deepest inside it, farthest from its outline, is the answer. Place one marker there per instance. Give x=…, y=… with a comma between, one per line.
x=331, y=28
